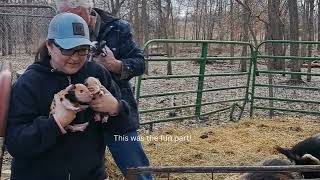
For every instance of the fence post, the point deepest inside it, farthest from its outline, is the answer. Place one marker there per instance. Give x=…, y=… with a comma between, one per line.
x=132, y=175
x=204, y=53
x=146, y=71
x=254, y=62
x=138, y=88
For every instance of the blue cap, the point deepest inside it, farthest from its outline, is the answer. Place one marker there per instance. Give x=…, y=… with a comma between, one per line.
x=69, y=30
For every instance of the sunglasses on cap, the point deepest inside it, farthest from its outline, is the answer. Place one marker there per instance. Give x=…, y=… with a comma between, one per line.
x=79, y=6
x=80, y=50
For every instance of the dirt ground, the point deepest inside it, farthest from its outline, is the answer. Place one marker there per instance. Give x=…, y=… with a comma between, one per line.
x=245, y=143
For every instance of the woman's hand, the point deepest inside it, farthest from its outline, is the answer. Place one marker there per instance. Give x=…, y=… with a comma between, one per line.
x=63, y=114
x=105, y=103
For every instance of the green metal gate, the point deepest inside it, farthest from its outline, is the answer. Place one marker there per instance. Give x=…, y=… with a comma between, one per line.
x=265, y=89
x=281, y=94
x=198, y=89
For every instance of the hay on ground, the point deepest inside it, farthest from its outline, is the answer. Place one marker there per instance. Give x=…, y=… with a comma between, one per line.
x=245, y=143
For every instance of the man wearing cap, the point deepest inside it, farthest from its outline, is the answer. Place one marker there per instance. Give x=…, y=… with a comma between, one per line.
x=124, y=59
x=42, y=145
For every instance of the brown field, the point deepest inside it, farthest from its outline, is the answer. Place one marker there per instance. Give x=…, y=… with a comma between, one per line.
x=245, y=143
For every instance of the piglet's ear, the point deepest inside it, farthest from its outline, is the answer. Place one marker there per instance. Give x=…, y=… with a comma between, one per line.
x=71, y=96
x=71, y=87
x=86, y=80
x=288, y=152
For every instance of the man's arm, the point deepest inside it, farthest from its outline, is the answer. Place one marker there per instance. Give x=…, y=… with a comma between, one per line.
x=133, y=62
x=130, y=62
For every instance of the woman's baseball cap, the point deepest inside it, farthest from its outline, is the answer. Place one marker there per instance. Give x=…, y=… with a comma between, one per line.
x=69, y=31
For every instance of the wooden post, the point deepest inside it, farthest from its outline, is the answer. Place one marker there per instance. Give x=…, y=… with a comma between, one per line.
x=5, y=88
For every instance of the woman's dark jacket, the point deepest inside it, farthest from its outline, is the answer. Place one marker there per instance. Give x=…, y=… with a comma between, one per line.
x=40, y=151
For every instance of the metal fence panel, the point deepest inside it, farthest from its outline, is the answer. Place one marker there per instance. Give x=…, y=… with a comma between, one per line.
x=275, y=92
x=193, y=94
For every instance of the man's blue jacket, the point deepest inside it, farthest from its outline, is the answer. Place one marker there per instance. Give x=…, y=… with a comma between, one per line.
x=117, y=33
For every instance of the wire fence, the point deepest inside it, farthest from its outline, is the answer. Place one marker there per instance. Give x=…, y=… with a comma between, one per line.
x=23, y=28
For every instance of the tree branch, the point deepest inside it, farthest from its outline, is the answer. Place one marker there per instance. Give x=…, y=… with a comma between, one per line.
x=260, y=19
x=243, y=5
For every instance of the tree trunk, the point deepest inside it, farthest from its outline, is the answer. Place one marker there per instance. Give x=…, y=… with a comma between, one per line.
x=231, y=30
x=196, y=21
x=136, y=24
x=145, y=20
x=3, y=35
x=268, y=49
x=131, y=14
x=28, y=32
x=220, y=18
x=10, y=38
x=116, y=6
x=173, y=28
x=311, y=35
x=199, y=27
x=145, y=30
x=210, y=21
x=294, y=36
x=305, y=17
x=204, y=21
x=168, y=47
x=275, y=29
x=245, y=31
x=185, y=23
x=318, y=46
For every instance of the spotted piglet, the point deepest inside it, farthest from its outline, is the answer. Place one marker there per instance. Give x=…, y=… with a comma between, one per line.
x=97, y=90
x=75, y=97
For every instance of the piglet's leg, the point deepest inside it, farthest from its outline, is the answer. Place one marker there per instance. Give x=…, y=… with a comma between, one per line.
x=83, y=107
x=97, y=116
x=77, y=127
x=105, y=118
x=68, y=105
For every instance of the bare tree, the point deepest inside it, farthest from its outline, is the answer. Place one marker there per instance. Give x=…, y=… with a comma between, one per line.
x=186, y=21
x=245, y=31
x=274, y=26
x=231, y=30
x=115, y=6
x=210, y=21
x=311, y=34
x=196, y=21
x=294, y=35
x=163, y=29
x=137, y=23
x=3, y=29
x=220, y=20
x=305, y=17
x=318, y=47
x=169, y=48
x=145, y=21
